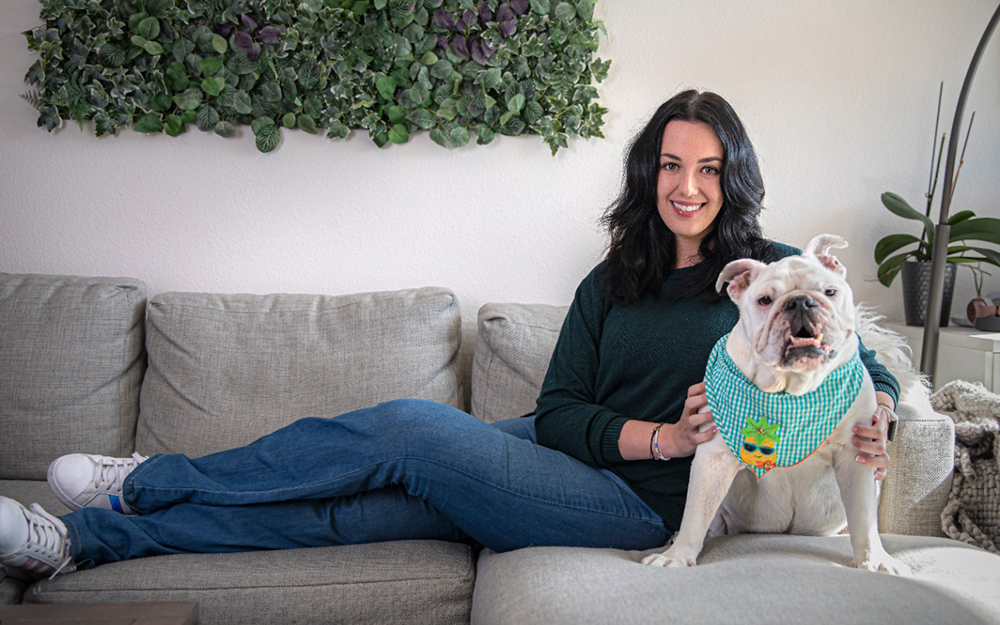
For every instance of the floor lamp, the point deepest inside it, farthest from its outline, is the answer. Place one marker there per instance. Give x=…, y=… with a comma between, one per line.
x=942, y=232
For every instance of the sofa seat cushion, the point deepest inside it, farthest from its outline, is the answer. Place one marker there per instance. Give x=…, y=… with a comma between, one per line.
x=227, y=369
x=746, y=579
x=71, y=362
x=391, y=582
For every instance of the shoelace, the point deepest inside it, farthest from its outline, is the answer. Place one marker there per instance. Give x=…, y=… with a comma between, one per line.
x=113, y=471
x=50, y=536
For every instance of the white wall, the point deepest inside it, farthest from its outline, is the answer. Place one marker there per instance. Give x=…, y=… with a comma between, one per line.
x=839, y=98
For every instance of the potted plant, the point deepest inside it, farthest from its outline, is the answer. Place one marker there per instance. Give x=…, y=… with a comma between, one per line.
x=911, y=255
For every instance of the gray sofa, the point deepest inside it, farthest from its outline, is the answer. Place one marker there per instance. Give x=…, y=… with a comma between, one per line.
x=91, y=364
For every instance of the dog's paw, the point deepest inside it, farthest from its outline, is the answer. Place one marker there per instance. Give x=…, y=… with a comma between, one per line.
x=882, y=563
x=667, y=559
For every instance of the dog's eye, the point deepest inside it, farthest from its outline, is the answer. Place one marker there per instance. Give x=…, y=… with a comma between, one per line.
x=765, y=301
x=830, y=292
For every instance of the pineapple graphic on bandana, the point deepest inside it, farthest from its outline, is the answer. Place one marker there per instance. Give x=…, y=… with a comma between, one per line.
x=759, y=447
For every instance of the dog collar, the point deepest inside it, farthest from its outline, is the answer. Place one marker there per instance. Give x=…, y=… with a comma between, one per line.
x=768, y=430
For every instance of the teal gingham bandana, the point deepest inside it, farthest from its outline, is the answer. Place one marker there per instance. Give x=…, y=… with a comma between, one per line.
x=767, y=430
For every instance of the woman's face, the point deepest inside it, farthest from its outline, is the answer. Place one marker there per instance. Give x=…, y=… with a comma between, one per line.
x=688, y=187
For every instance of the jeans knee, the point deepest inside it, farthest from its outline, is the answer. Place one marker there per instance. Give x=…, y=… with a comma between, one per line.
x=417, y=418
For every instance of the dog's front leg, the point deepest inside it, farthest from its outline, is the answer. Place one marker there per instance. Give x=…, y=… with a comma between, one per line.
x=712, y=473
x=859, y=493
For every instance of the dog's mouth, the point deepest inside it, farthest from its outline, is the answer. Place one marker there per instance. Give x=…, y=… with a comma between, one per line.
x=804, y=345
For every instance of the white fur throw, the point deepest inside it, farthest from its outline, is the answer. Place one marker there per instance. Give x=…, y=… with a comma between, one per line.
x=972, y=514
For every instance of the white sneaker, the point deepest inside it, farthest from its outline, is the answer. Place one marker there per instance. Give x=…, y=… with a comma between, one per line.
x=33, y=541
x=89, y=481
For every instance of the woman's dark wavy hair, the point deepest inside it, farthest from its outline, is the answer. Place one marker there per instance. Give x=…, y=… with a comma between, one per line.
x=641, y=249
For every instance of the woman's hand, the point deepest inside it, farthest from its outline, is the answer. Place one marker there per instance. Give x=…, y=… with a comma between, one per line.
x=871, y=440
x=679, y=440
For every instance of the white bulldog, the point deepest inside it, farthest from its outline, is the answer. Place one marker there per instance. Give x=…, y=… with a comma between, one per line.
x=797, y=326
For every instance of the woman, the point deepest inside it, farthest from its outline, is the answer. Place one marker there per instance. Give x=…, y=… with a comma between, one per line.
x=625, y=374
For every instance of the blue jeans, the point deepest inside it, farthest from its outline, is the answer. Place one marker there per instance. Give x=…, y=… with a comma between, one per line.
x=405, y=469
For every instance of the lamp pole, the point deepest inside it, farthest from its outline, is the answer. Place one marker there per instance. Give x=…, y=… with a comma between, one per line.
x=942, y=231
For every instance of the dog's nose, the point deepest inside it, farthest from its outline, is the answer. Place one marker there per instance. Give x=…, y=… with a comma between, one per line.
x=800, y=303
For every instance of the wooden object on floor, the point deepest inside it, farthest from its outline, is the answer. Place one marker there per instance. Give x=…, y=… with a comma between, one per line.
x=160, y=613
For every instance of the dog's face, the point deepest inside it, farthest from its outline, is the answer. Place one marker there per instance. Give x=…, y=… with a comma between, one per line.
x=798, y=312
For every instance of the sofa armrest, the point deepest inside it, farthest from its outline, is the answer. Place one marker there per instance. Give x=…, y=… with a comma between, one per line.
x=919, y=481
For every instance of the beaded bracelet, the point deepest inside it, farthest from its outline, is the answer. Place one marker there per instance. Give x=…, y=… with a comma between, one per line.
x=654, y=444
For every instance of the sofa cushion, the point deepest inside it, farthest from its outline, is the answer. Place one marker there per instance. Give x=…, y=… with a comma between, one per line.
x=390, y=582
x=747, y=579
x=513, y=350
x=227, y=369
x=70, y=368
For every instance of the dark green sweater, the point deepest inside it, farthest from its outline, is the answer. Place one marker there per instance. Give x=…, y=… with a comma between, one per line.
x=614, y=363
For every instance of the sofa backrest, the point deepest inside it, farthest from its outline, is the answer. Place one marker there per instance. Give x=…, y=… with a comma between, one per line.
x=71, y=363
x=227, y=369
x=513, y=348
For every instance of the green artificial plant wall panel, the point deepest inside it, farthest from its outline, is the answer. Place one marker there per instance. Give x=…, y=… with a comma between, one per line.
x=455, y=68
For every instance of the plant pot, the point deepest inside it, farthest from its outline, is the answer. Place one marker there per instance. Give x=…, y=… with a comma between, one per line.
x=916, y=277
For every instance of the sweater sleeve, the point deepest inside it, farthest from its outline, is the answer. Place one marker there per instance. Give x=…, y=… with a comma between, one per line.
x=569, y=419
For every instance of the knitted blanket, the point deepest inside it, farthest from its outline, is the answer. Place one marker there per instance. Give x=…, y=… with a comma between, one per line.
x=972, y=514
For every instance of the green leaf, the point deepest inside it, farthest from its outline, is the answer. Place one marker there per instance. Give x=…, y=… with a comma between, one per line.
x=585, y=9
x=207, y=118
x=889, y=268
x=423, y=118
x=162, y=102
x=438, y=137
x=267, y=133
x=153, y=48
x=515, y=104
x=225, y=129
x=888, y=245
x=149, y=28
x=458, y=136
x=176, y=76
x=429, y=58
x=565, y=12
x=540, y=6
x=149, y=123
x=379, y=4
x=419, y=93
x=213, y=86
x=175, y=125
x=211, y=65
x=441, y=69
x=219, y=44
x=135, y=19
x=960, y=217
x=189, y=117
x=307, y=124
x=533, y=112
x=386, y=86
x=899, y=206
x=189, y=100
x=288, y=121
x=399, y=134
x=979, y=229
x=492, y=79
x=396, y=114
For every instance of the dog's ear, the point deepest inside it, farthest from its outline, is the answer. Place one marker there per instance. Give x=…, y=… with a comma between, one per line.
x=820, y=248
x=739, y=274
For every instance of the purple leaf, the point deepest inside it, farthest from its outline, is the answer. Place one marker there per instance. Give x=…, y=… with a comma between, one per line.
x=508, y=28
x=243, y=42
x=269, y=34
x=254, y=52
x=444, y=20
x=505, y=13
x=248, y=22
x=222, y=29
x=520, y=6
x=460, y=47
x=477, y=52
x=485, y=12
x=469, y=17
x=443, y=42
